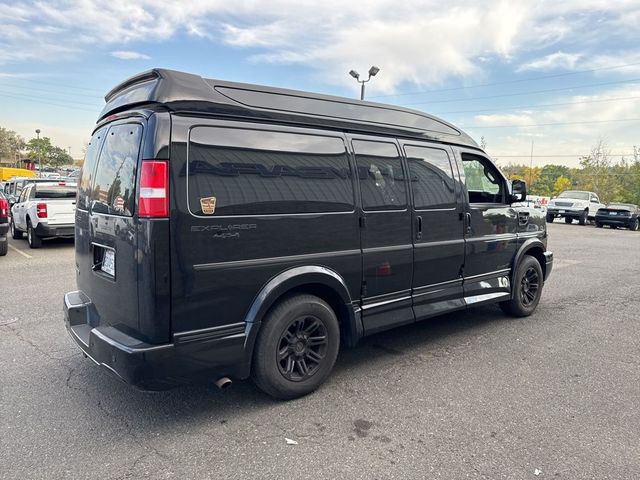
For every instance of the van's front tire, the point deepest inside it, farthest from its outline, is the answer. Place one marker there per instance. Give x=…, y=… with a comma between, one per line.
x=296, y=348
x=527, y=289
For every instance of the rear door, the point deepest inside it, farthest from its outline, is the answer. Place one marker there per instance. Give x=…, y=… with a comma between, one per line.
x=438, y=235
x=387, y=249
x=106, y=240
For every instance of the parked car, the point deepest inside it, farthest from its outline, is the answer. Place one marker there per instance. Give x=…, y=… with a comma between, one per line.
x=44, y=210
x=617, y=215
x=13, y=187
x=227, y=230
x=4, y=224
x=574, y=205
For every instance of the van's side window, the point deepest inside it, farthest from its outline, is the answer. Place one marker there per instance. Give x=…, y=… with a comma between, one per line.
x=90, y=159
x=114, y=187
x=484, y=182
x=235, y=171
x=432, y=181
x=380, y=174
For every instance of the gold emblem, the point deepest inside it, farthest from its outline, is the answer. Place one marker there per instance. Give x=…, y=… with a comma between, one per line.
x=208, y=205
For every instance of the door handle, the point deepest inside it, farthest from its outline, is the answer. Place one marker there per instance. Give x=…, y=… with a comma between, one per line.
x=467, y=221
x=418, y=227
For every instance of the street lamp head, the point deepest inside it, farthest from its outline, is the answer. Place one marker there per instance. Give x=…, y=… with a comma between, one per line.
x=37, y=130
x=354, y=74
x=373, y=71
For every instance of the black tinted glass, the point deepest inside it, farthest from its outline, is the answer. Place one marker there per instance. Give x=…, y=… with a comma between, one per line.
x=54, y=192
x=431, y=177
x=86, y=177
x=381, y=177
x=249, y=172
x=114, y=188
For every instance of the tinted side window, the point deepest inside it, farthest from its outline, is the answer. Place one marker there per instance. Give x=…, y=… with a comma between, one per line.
x=115, y=178
x=431, y=175
x=90, y=160
x=380, y=174
x=253, y=172
x=484, y=182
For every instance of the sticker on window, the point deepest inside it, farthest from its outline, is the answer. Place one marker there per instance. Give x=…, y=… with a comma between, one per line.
x=208, y=205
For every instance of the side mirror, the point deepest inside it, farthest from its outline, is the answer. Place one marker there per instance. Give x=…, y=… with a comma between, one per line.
x=518, y=191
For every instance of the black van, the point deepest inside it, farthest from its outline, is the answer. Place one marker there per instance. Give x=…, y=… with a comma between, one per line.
x=232, y=230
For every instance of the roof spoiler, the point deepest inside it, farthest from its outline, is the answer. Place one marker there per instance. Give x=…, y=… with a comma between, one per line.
x=140, y=78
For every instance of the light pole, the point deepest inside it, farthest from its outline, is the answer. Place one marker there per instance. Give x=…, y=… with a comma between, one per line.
x=38, y=135
x=373, y=71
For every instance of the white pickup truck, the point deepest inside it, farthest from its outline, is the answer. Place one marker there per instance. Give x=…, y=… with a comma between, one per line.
x=574, y=205
x=44, y=210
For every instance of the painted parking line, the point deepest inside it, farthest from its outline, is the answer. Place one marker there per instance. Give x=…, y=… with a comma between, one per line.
x=20, y=251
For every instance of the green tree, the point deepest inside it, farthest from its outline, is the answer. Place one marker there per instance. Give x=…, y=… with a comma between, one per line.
x=11, y=144
x=561, y=184
x=41, y=150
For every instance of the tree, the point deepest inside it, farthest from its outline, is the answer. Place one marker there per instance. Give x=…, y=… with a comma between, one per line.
x=561, y=184
x=42, y=151
x=11, y=144
x=596, y=174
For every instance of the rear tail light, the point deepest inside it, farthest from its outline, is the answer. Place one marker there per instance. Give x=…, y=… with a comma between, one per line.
x=153, y=200
x=41, y=210
x=4, y=208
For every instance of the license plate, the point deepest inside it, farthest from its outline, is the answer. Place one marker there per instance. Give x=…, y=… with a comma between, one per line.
x=109, y=262
x=560, y=211
x=613, y=213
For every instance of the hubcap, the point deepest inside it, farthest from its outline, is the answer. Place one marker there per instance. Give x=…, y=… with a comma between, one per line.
x=529, y=286
x=302, y=348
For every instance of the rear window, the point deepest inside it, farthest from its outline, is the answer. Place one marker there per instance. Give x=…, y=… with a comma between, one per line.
x=251, y=172
x=113, y=190
x=90, y=160
x=54, y=191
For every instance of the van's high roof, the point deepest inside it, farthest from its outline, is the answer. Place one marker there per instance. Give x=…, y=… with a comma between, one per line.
x=188, y=93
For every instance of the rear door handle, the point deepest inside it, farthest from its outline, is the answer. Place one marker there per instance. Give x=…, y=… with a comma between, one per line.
x=418, y=227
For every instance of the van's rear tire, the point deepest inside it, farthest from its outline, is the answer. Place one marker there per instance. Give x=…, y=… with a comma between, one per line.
x=527, y=288
x=568, y=220
x=584, y=217
x=296, y=348
x=4, y=247
x=550, y=218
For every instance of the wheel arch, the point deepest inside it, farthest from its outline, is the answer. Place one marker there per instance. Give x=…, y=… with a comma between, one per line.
x=314, y=280
x=532, y=247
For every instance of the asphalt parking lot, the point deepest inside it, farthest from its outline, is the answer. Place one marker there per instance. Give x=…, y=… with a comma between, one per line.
x=470, y=395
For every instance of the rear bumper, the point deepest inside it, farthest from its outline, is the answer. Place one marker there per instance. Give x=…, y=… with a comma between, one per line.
x=618, y=222
x=565, y=212
x=46, y=230
x=192, y=356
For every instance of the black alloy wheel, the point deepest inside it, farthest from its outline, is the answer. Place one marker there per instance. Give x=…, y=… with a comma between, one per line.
x=634, y=225
x=528, y=282
x=302, y=348
x=529, y=286
x=296, y=347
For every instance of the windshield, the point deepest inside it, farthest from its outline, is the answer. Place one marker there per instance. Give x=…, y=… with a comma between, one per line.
x=620, y=206
x=575, y=195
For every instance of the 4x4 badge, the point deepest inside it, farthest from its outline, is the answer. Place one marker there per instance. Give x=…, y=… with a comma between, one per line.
x=208, y=205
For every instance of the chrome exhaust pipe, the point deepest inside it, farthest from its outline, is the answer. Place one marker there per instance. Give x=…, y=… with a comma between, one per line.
x=223, y=383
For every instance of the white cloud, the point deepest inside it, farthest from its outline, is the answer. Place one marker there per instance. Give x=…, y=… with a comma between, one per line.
x=558, y=60
x=423, y=42
x=129, y=55
x=568, y=135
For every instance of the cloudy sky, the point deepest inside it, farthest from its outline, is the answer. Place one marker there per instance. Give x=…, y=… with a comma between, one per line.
x=558, y=73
